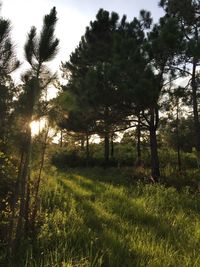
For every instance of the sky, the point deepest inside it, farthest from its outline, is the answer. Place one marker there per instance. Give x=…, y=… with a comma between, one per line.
x=73, y=17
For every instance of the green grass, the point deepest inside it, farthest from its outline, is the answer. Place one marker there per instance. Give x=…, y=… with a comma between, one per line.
x=104, y=218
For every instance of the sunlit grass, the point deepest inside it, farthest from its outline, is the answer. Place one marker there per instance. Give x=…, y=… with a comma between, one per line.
x=95, y=218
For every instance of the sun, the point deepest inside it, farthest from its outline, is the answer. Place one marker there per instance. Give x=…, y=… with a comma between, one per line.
x=37, y=126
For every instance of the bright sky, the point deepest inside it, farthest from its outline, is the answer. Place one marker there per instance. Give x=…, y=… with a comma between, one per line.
x=73, y=17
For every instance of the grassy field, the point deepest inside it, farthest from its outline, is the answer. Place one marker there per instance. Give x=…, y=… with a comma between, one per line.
x=106, y=218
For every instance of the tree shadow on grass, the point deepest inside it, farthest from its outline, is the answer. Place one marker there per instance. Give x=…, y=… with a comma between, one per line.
x=107, y=231
x=115, y=176
x=115, y=208
x=188, y=202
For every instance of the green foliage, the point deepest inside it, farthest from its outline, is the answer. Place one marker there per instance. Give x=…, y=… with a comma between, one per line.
x=90, y=73
x=65, y=159
x=8, y=175
x=8, y=61
x=48, y=45
x=8, y=172
x=168, y=157
x=44, y=48
x=124, y=155
x=186, y=133
x=8, y=95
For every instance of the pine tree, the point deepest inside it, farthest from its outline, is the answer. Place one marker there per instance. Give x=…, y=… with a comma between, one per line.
x=91, y=76
x=38, y=51
x=186, y=13
x=8, y=63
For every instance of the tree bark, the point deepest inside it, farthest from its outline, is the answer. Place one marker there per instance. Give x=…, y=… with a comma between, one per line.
x=155, y=168
x=111, y=147
x=27, y=206
x=106, y=138
x=106, y=149
x=61, y=138
x=195, y=109
x=35, y=206
x=20, y=231
x=87, y=150
x=138, y=162
x=25, y=177
x=178, y=137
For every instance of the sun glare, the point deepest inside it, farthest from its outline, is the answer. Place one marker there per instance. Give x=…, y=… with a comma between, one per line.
x=36, y=126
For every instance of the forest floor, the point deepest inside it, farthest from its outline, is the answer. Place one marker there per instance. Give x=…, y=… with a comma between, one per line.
x=104, y=218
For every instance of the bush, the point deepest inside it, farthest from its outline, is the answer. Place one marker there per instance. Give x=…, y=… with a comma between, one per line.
x=70, y=159
x=8, y=173
x=7, y=179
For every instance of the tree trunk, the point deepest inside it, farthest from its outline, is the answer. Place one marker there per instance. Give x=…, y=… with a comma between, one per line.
x=195, y=109
x=25, y=177
x=177, y=136
x=61, y=138
x=179, y=157
x=87, y=150
x=82, y=142
x=111, y=147
x=35, y=206
x=138, y=162
x=20, y=231
x=155, y=168
x=106, y=149
x=106, y=138
x=27, y=206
